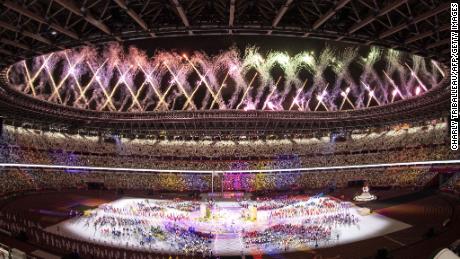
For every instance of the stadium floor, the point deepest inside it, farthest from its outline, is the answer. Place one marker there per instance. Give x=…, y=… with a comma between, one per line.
x=424, y=211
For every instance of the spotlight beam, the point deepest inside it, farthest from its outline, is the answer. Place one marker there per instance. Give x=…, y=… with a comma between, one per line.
x=220, y=88
x=53, y=83
x=193, y=93
x=129, y=90
x=75, y=79
x=61, y=83
x=416, y=77
x=203, y=78
x=31, y=80
x=371, y=94
x=439, y=68
x=393, y=96
x=320, y=99
x=189, y=100
x=343, y=100
x=109, y=98
x=179, y=84
x=321, y=102
x=137, y=95
x=345, y=94
x=394, y=85
x=297, y=95
x=62, y=79
x=92, y=78
x=271, y=93
x=163, y=98
x=350, y=102
x=195, y=90
x=98, y=81
x=146, y=81
x=155, y=90
x=247, y=90
x=41, y=67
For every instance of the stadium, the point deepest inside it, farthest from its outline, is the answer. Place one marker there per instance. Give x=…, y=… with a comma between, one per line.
x=227, y=129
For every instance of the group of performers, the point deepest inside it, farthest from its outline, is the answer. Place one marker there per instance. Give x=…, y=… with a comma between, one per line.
x=165, y=225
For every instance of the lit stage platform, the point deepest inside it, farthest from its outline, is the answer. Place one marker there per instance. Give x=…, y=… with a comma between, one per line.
x=227, y=227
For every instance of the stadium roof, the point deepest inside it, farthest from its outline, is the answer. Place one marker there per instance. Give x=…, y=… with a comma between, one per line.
x=29, y=28
x=32, y=27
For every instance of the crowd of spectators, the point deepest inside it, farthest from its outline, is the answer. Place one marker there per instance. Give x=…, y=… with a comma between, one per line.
x=20, y=145
x=16, y=180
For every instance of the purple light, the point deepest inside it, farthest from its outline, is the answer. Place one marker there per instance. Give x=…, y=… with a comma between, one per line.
x=271, y=106
x=229, y=75
x=250, y=107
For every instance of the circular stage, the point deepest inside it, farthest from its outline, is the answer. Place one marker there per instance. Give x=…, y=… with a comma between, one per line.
x=229, y=227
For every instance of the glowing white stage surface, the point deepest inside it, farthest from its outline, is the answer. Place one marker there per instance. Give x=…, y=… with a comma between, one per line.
x=172, y=226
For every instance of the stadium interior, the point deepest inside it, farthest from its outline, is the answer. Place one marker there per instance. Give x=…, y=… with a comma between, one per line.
x=167, y=129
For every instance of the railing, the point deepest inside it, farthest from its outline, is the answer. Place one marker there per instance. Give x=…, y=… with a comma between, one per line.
x=12, y=252
x=421, y=164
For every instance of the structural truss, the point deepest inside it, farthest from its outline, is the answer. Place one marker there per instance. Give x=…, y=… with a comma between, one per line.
x=31, y=27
